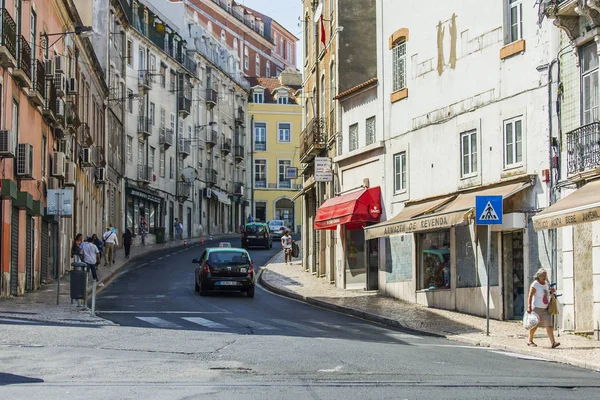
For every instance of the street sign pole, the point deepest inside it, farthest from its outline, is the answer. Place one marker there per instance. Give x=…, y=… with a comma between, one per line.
x=487, y=270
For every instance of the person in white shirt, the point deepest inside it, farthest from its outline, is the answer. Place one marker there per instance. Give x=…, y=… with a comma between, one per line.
x=91, y=256
x=538, y=299
x=110, y=241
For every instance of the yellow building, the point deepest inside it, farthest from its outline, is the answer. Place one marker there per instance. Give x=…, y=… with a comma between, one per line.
x=276, y=117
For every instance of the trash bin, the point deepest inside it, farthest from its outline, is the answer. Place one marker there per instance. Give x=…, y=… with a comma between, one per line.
x=78, y=277
x=160, y=235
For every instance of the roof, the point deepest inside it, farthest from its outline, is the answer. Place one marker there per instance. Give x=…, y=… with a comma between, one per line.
x=266, y=18
x=356, y=88
x=225, y=249
x=270, y=85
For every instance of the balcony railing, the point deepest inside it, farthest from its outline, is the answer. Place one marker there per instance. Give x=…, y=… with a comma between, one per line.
x=210, y=176
x=166, y=137
x=100, y=157
x=36, y=93
x=144, y=79
x=184, y=103
x=185, y=189
x=23, y=68
x=284, y=184
x=260, y=183
x=184, y=147
x=260, y=146
x=240, y=118
x=49, y=109
x=211, y=97
x=313, y=139
x=8, y=40
x=144, y=173
x=144, y=126
x=187, y=62
x=583, y=148
x=211, y=138
x=238, y=188
x=239, y=153
x=226, y=146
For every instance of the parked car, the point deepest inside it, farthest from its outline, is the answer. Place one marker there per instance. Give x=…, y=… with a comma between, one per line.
x=223, y=268
x=277, y=228
x=256, y=234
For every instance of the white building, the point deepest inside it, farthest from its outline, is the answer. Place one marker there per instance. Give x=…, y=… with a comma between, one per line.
x=464, y=103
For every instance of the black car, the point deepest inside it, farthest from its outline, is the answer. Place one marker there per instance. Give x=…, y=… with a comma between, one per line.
x=256, y=234
x=224, y=269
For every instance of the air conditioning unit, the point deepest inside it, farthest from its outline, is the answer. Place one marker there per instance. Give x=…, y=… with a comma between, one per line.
x=70, y=168
x=58, y=164
x=25, y=160
x=60, y=81
x=86, y=156
x=53, y=183
x=7, y=144
x=59, y=64
x=49, y=68
x=60, y=109
x=101, y=175
x=72, y=86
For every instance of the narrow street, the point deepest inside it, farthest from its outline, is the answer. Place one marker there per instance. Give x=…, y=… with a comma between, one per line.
x=169, y=342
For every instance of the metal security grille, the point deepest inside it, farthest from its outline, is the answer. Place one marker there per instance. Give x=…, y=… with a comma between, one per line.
x=399, y=66
x=370, y=130
x=14, y=252
x=353, y=137
x=45, y=253
x=29, y=255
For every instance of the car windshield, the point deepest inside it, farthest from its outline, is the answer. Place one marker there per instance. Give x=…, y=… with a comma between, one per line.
x=228, y=258
x=254, y=229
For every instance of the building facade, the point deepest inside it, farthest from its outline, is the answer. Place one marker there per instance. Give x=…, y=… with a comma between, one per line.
x=276, y=116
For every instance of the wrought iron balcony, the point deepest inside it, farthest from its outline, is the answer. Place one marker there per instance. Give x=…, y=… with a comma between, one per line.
x=210, y=176
x=211, y=138
x=184, y=189
x=165, y=138
x=583, y=148
x=144, y=80
x=226, y=146
x=8, y=40
x=144, y=126
x=238, y=188
x=184, y=147
x=100, y=157
x=284, y=184
x=36, y=93
x=239, y=153
x=240, y=118
x=144, y=173
x=260, y=183
x=260, y=146
x=313, y=139
x=211, y=97
x=184, y=103
x=84, y=135
x=49, y=108
x=23, y=69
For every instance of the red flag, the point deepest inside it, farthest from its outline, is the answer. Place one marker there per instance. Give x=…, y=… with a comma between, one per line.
x=323, y=34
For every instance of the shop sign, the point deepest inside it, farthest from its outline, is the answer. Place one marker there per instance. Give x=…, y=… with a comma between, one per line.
x=434, y=222
x=374, y=211
x=323, y=169
x=144, y=195
x=569, y=218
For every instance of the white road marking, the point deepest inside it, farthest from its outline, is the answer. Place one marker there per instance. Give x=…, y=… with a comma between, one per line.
x=142, y=265
x=21, y=321
x=160, y=258
x=161, y=323
x=521, y=356
x=458, y=346
x=336, y=369
x=168, y=255
x=205, y=322
x=161, y=312
x=298, y=326
x=251, y=324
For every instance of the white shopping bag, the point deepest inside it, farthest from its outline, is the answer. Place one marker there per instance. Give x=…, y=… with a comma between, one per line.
x=530, y=321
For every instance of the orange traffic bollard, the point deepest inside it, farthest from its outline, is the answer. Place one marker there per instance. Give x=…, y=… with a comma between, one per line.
x=202, y=240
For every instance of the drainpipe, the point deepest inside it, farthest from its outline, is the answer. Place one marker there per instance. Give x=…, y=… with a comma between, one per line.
x=551, y=197
x=252, y=165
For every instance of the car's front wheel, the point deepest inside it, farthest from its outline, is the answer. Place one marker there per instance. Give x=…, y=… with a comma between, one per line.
x=250, y=292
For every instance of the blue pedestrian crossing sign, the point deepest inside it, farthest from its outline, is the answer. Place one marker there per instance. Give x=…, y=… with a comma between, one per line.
x=488, y=210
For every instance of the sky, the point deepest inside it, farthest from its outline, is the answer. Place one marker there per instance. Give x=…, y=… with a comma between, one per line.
x=286, y=12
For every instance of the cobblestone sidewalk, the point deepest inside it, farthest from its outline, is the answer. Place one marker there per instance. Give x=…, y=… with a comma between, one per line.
x=40, y=306
x=292, y=281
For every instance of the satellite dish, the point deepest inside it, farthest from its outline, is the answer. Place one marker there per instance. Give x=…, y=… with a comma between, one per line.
x=189, y=174
x=318, y=13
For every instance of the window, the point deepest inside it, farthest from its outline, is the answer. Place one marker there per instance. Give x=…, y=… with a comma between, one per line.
x=151, y=111
x=173, y=79
x=259, y=96
x=142, y=60
x=44, y=151
x=282, y=97
x=246, y=58
x=284, y=133
x=513, y=142
x=172, y=123
x=223, y=36
x=589, y=79
x=163, y=75
x=400, y=172
x=129, y=149
x=516, y=20
x=162, y=117
x=468, y=148
x=33, y=38
x=260, y=173
x=130, y=101
x=257, y=66
x=275, y=41
x=282, y=166
x=323, y=96
x=152, y=66
x=282, y=47
x=151, y=159
x=140, y=154
x=353, y=137
x=130, y=53
x=434, y=260
x=260, y=136
x=161, y=162
x=331, y=85
x=370, y=131
x=289, y=52
x=235, y=48
x=268, y=73
x=171, y=167
x=399, y=66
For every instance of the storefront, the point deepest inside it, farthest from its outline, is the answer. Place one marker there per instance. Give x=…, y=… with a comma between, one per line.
x=143, y=212
x=353, y=212
x=435, y=255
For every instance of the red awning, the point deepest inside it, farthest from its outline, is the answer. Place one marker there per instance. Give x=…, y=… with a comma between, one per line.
x=353, y=208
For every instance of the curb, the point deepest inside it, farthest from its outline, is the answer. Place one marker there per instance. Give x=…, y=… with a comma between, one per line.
x=397, y=324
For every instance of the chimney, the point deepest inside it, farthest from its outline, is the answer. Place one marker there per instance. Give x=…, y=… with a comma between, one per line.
x=290, y=77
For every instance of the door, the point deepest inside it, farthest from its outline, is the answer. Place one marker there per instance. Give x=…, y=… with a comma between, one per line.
x=14, y=252
x=45, y=256
x=171, y=220
x=514, y=290
x=189, y=222
x=29, y=254
x=373, y=264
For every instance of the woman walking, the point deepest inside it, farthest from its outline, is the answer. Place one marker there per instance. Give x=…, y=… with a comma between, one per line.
x=76, y=248
x=127, y=239
x=539, y=297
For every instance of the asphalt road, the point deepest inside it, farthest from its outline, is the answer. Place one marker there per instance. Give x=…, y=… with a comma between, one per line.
x=171, y=343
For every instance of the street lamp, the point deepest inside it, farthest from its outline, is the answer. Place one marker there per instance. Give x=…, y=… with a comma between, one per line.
x=81, y=31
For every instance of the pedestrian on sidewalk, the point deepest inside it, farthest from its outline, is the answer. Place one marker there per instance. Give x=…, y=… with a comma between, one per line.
x=286, y=244
x=538, y=299
x=76, y=248
x=91, y=256
x=127, y=240
x=110, y=241
x=177, y=225
x=99, y=244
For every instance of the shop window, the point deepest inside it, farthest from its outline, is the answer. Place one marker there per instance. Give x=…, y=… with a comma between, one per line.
x=466, y=264
x=513, y=142
x=434, y=260
x=399, y=258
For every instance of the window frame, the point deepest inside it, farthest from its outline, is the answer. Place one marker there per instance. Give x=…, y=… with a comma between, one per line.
x=129, y=149
x=283, y=162
x=264, y=163
x=353, y=142
x=258, y=95
x=370, y=137
x=513, y=122
x=587, y=84
x=400, y=170
x=518, y=5
x=257, y=126
x=472, y=155
x=280, y=130
x=399, y=66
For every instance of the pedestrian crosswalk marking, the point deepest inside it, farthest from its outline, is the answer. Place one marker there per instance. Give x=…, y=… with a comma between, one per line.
x=161, y=323
x=251, y=324
x=489, y=214
x=297, y=326
x=205, y=322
